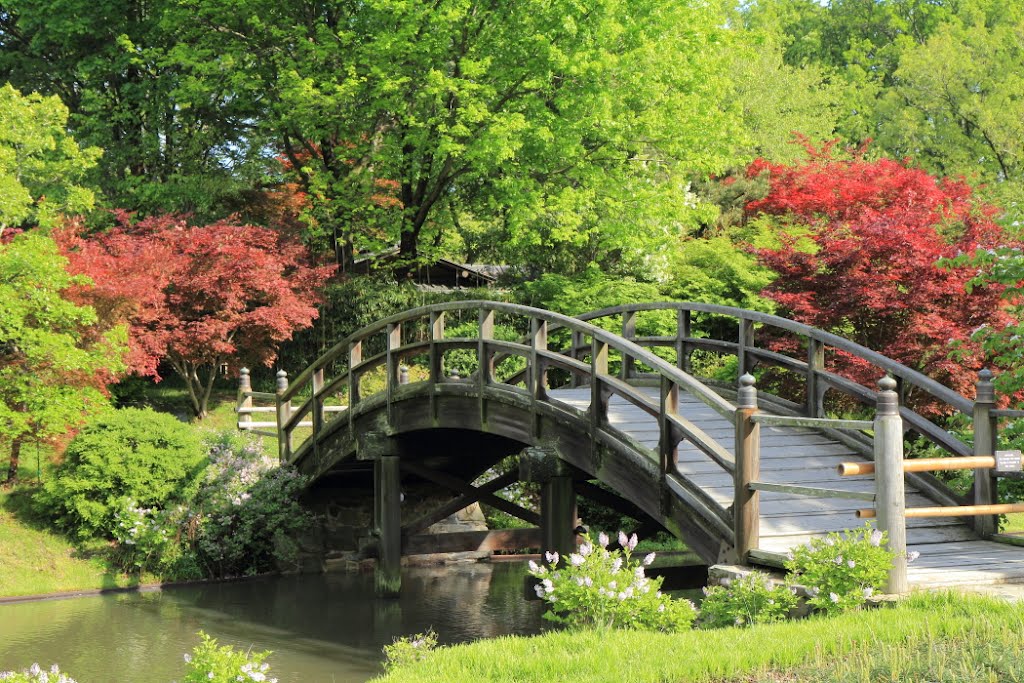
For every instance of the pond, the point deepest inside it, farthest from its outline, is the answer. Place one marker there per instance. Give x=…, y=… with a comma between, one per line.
x=322, y=628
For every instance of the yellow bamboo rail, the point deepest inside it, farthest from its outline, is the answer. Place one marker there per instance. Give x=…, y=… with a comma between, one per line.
x=954, y=511
x=970, y=462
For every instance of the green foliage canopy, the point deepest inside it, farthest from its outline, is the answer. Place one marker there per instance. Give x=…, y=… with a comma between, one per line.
x=42, y=168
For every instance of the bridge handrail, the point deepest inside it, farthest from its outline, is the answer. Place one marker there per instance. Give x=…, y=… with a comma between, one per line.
x=891, y=367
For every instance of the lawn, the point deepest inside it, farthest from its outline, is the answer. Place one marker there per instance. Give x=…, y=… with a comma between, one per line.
x=941, y=637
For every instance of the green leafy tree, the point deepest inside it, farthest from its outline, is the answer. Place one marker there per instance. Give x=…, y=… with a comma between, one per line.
x=169, y=144
x=568, y=126
x=55, y=361
x=42, y=168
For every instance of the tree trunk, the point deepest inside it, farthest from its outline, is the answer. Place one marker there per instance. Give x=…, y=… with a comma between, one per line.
x=12, y=469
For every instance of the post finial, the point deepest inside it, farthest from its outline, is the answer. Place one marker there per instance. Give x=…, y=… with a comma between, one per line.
x=888, y=401
x=403, y=374
x=985, y=390
x=244, y=382
x=282, y=380
x=746, y=397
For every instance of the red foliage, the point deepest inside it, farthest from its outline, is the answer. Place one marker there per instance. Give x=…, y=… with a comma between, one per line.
x=197, y=295
x=869, y=273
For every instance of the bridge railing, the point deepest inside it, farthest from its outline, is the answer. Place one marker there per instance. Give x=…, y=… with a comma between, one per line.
x=818, y=379
x=304, y=410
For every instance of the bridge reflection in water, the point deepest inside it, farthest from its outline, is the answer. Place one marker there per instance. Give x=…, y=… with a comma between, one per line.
x=739, y=476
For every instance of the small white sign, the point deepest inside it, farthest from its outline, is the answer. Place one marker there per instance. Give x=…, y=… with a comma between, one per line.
x=1008, y=461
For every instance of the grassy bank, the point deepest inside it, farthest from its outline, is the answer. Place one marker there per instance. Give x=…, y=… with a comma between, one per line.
x=34, y=559
x=929, y=637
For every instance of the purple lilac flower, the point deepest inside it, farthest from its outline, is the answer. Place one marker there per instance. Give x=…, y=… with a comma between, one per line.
x=552, y=558
x=575, y=559
x=912, y=555
x=633, y=540
x=876, y=538
x=833, y=597
x=616, y=564
x=623, y=541
x=602, y=539
x=648, y=559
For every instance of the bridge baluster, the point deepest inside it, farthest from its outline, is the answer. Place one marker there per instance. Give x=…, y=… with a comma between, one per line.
x=598, y=396
x=355, y=357
x=985, y=430
x=667, y=442
x=815, y=387
x=317, y=404
x=746, y=503
x=628, y=332
x=683, y=353
x=436, y=355
x=576, y=347
x=745, y=341
x=394, y=342
x=284, y=412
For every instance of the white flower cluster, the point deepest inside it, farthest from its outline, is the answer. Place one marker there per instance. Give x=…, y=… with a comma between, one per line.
x=36, y=674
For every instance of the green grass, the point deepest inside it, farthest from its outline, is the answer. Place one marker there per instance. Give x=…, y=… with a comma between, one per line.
x=35, y=560
x=929, y=637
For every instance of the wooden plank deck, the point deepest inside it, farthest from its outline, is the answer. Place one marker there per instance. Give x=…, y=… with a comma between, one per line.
x=951, y=553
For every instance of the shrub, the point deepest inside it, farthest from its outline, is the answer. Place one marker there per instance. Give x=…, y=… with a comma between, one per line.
x=750, y=599
x=212, y=663
x=841, y=571
x=597, y=587
x=141, y=455
x=409, y=649
x=249, y=513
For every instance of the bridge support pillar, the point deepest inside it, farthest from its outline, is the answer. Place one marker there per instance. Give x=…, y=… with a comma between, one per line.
x=557, y=497
x=558, y=515
x=387, y=496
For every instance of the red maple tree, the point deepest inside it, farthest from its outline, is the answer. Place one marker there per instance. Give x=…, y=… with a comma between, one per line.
x=197, y=296
x=861, y=244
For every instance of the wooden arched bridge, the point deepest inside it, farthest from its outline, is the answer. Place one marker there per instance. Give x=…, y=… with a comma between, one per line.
x=609, y=404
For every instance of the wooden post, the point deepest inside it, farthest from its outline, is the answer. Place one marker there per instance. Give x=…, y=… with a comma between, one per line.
x=985, y=490
x=355, y=357
x=628, y=332
x=744, y=341
x=485, y=359
x=683, y=323
x=537, y=377
x=890, y=500
x=598, y=369
x=575, y=349
x=746, y=512
x=284, y=412
x=667, y=442
x=388, y=523
x=391, y=362
x=815, y=387
x=244, y=398
x=318, y=403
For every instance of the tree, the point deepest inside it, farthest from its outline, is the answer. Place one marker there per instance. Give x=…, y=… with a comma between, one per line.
x=170, y=145
x=55, y=360
x=198, y=296
x=565, y=126
x=42, y=169
x=858, y=253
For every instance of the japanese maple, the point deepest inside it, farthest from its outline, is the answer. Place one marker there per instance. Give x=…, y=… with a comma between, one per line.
x=198, y=296
x=859, y=249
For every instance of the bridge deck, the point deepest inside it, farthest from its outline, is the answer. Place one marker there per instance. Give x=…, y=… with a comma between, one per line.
x=951, y=554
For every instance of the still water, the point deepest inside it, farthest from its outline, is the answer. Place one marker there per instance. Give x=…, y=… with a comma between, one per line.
x=322, y=628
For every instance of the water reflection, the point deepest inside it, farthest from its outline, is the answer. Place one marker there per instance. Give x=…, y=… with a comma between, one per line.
x=325, y=628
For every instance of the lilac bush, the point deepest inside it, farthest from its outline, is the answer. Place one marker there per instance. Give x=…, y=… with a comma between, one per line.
x=598, y=587
x=841, y=571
